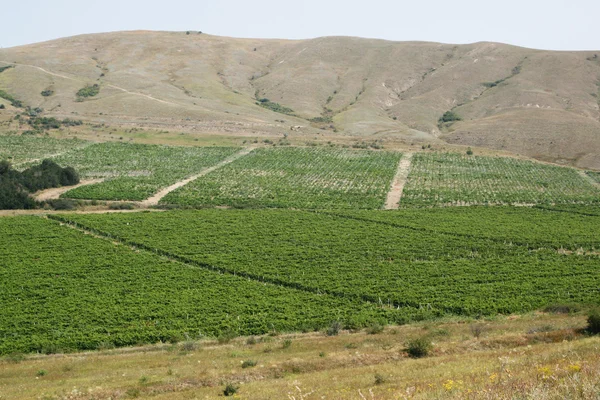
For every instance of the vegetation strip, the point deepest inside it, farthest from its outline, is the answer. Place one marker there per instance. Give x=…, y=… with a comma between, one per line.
x=214, y=268
x=74, y=291
x=417, y=229
x=436, y=273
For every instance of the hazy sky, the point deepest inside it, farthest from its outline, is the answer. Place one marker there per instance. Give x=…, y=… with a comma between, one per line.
x=544, y=24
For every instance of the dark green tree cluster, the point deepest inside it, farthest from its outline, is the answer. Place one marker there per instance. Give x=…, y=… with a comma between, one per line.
x=15, y=186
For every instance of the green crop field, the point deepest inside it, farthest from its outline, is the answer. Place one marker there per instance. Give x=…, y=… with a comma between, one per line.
x=374, y=261
x=455, y=179
x=64, y=290
x=136, y=171
x=295, y=178
x=572, y=228
x=21, y=149
x=594, y=175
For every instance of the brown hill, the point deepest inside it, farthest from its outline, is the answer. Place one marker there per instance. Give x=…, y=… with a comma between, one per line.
x=542, y=104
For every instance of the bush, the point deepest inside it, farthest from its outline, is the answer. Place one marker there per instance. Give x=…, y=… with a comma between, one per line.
x=14, y=102
x=249, y=364
x=469, y=152
x=594, y=322
x=562, y=308
x=47, y=93
x=375, y=329
x=379, y=379
x=62, y=204
x=334, y=328
x=2, y=107
x=230, y=389
x=287, y=343
x=121, y=206
x=449, y=116
x=89, y=91
x=419, y=347
x=275, y=107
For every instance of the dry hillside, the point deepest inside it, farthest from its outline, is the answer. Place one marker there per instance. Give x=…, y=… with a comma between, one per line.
x=542, y=104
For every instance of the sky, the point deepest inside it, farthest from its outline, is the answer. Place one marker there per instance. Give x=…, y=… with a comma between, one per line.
x=541, y=24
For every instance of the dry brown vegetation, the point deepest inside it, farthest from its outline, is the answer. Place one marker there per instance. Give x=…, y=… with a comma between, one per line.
x=535, y=356
x=541, y=104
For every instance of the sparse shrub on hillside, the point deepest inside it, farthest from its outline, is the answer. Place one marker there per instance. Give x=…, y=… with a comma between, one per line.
x=121, y=206
x=469, y=152
x=419, y=347
x=2, y=107
x=230, y=389
x=88, y=91
x=2, y=69
x=275, y=107
x=594, y=322
x=334, y=328
x=375, y=329
x=14, y=102
x=380, y=379
x=562, y=308
x=449, y=116
x=47, y=93
x=249, y=363
x=62, y=204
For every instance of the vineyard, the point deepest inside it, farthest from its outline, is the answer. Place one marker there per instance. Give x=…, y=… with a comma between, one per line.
x=594, y=175
x=572, y=228
x=135, y=171
x=63, y=290
x=21, y=149
x=308, y=178
x=454, y=179
x=366, y=260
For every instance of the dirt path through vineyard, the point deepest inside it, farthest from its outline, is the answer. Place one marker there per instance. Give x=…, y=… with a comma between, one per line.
x=395, y=194
x=54, y=193
x=154, y=200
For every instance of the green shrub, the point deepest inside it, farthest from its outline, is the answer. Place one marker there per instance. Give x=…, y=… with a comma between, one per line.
x=89, y=91
x=2, y=69
x=594, y=322
x=469, y=152
x=230, y=389
x=249, y=364
x=121, y=206
x=379, y=379
x=14, y=102
x=375, y=329
x=47, y=92
x=449, y=116
x=562, y=308
x=266, y=103
x=419, y=347
x=334, y=328
x=287, y=343
x=62, y=204
x=42, y=372
x=2, y=107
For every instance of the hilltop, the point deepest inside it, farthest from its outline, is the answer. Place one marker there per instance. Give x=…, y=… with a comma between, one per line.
x=541, y=104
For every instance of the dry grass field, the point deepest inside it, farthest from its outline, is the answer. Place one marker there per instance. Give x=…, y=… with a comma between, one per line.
x=533, y=356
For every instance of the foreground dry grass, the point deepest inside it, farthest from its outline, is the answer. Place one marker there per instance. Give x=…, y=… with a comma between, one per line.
x=536, y=356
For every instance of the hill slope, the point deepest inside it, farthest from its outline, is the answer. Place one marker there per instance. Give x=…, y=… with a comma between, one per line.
x=542, y=104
